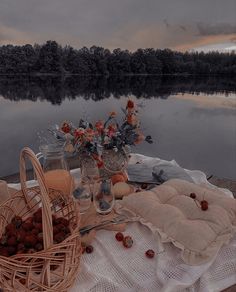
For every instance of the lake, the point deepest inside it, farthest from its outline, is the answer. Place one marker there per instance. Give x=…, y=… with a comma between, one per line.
x=192, y=121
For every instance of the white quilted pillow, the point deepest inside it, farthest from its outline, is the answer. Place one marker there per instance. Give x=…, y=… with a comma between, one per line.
x=179, y=219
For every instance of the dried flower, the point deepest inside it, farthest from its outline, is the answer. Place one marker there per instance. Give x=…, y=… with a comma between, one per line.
x=130, y=104
x=108, y=134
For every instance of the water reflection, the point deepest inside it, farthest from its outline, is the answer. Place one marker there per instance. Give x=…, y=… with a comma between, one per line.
x=56, y=89
x=184, y=116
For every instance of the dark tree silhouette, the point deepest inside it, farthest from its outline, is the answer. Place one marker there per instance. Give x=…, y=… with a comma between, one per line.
x=51, y=58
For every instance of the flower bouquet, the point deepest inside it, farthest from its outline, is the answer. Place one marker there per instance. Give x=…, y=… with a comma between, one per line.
x=106, y=142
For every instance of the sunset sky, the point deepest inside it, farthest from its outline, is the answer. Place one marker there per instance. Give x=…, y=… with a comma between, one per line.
x=127, y=24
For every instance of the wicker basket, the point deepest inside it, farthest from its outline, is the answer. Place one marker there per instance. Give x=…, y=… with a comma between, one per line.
x=56, y=266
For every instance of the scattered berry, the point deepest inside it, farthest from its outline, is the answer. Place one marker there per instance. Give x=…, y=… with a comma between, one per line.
x=204, y=205
x=144, y=186
x=150, y=253
x=127, y=241
x=193, y=195
x=119, y=236
x=89, y=249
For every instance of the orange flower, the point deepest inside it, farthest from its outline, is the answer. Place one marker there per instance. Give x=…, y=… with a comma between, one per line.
x=99, y=125
x=130, y=104
x=132, y=119
x=100, y=164
x=112, y=114
x=65, y=127
x=78, y=132
x=139, y=139
x=89, y=134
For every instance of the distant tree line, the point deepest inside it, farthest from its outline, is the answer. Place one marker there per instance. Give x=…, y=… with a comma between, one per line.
x=51, y=58
x=55, y=89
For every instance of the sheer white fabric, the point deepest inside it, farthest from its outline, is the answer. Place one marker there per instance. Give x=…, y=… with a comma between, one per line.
x=113, y=268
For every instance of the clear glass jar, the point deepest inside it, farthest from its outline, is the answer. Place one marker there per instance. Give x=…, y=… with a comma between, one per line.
x=55, y=167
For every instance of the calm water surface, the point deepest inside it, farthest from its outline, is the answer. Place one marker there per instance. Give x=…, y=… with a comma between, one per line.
x=196, y=129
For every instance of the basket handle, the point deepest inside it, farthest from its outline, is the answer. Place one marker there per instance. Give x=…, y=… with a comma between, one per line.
x=27, y=153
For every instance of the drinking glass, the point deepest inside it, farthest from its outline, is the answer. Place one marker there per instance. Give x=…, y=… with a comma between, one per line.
x=83, y=195
x=103, y=196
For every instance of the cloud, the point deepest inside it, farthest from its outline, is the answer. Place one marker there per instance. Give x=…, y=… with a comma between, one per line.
x=216, y=29
x=131, y=24
x=10, y=35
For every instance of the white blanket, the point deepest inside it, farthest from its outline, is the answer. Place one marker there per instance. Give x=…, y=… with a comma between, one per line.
x=111, y=267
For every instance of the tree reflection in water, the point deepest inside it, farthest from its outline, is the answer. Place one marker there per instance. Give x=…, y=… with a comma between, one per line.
x=55, y=89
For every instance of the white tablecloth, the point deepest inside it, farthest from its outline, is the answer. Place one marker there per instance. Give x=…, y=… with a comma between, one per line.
x=111, y=267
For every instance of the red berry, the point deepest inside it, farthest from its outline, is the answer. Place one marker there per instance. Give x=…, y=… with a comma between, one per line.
x=20, y=246
x=27, y=226
x=193, y=195
x=40, y=237
x=21, y=235
x=29, y=220
x=127, y=241
x=144, y=186
x=12, y=241
x=204, y=205
x=59, y=237
x=39, y=246
x=11, y=250
x=4, y=252
x=30, y=240
x=17, y=221
x=38, y=226
x=89, y=249
x=10, y=227
x=35, y=231
x=150, y=253
x=65, y=222
x=119, y=236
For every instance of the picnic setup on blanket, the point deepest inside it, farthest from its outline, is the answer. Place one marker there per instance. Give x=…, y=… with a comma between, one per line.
x=121, y=221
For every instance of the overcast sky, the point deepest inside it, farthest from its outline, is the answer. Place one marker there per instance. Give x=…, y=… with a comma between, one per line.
x=127, y=24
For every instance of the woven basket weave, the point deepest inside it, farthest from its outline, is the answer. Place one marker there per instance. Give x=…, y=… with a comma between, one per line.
x=56, y=266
